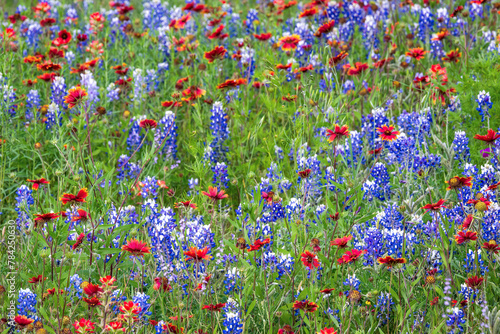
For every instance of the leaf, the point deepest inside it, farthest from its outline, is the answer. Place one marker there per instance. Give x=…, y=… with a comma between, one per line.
x=251, y=307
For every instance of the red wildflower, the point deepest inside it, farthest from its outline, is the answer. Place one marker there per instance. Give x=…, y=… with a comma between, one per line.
x=230, y=83
x=338, y=133
x=107, y=281
x=305, y=306
x=169, y=104
x=387, y=133
x=162, y=283
x=65, y=36
x=390, y=262
x=382, y=62
x=489, y=138
x=308, y=12
x=75, y=96
x=284, y=67
x=214, y=193
x=434, y=301
x=82, y=215
x=16, y=17
x=92, y=302
x=217, y=53
x=217, y=34
x=48, y=66
x=171, y=328
x=309, y=260
x=148, y=124
x=186, y=204
x=47, y=22
x=326, y=291
x=416, y=53
x=38, y=182
x=42, y=218
x=463, y=237
x=193, y=93
x=474, y=282
x=491, y=246
x=37, y=279
x=351, y=256
x=114, y=327
x=494, y=186
x=325, y=28
x=335, y=60
x=197, y=255
x=263, y=36
x=375, y=151
x=467, y=222
x=48, y=76
x=304, y=174
x=358, y=68
x=453, y=56
x=136, y=248
x=459, y=182
x=72, y=199
x=456, y=11
x=23, y=321
x=287, y=329
x=327, y=331
x=92, y=290
x=79, y=241
x=481, y=204
x=258, y=244
x=434, y=206
x=341, y=242
x=214, y=308
x=289, y=42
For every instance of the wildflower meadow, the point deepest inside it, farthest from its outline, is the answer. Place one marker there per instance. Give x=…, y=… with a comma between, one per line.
x=250, y=166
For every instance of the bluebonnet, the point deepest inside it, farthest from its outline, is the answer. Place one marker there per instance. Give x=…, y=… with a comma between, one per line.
x=220, y=132
x=167, y=127
x=134, y=138
x=32, y=104
x=220, y=178
x=113, y=93
x=142, y=300
x=52, y=113
x=75, y=282
x=231, y=280
x=87, y=81
x=24, y=201
x=58, y=92
x=26, y=304
x=232, y=323
x=425, y=23
x=252, y=17
x=384, y=307
x=139, y=85
x=484, y=104
x=455, y=320
x=461, y=147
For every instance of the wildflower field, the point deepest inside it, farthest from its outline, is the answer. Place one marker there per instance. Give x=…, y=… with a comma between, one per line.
x=256, y=166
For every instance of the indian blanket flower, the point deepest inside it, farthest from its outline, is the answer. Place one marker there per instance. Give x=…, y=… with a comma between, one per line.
x=216, y=53
x=136, y=248
x=489, y=138
x=338, y=133
x=351, y=256
x=92, y=290
x=79, y=241
x=491, y=246
x=41, y=219
x=474, y=282
x=304, y=174
x=434, y=206
x=148, y=124
x=387, y=133
x=214, y=307
x=92, y=302
x=186, y=204
x=73, y=199
x=197, y=255
x=452, y=57
x=290, y=42
x=310, y=260
x=214, y=194
x=22, y=321
x=458, y=182
x=306, y=306
x=325, y=28
x=84, y=326
x=390, y=262
x=81, y=215
x=258, y=244
x=481, y=204
x=341, y=242
x=463, y=237
x=416, y=53
x=36, y=279
x=75, y=97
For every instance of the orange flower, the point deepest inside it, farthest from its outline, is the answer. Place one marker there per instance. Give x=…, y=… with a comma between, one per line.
x=37, y=183
x=75, y=96
x=23, y=321
x=214, y=194
x=453, y=56
x=217, y=53
x=44, y=218
x=258, y=244
x=72, y=199
x=308, y=12
x=338, y=133
x=357, y=69
x=289, y=42
x=263, y=36
x=434, y=206
x=325, y=28
x=217, y=34
x=193, y=93
x=148, y=124
x=351, y=256
x=390, y=262
x=232, y=83
x=136, y=248
x=197, y=255
x=458, y=182
x=416, y=53
x=463, y=237
x=334, y=61
x=341, y=242
x=387, y=133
